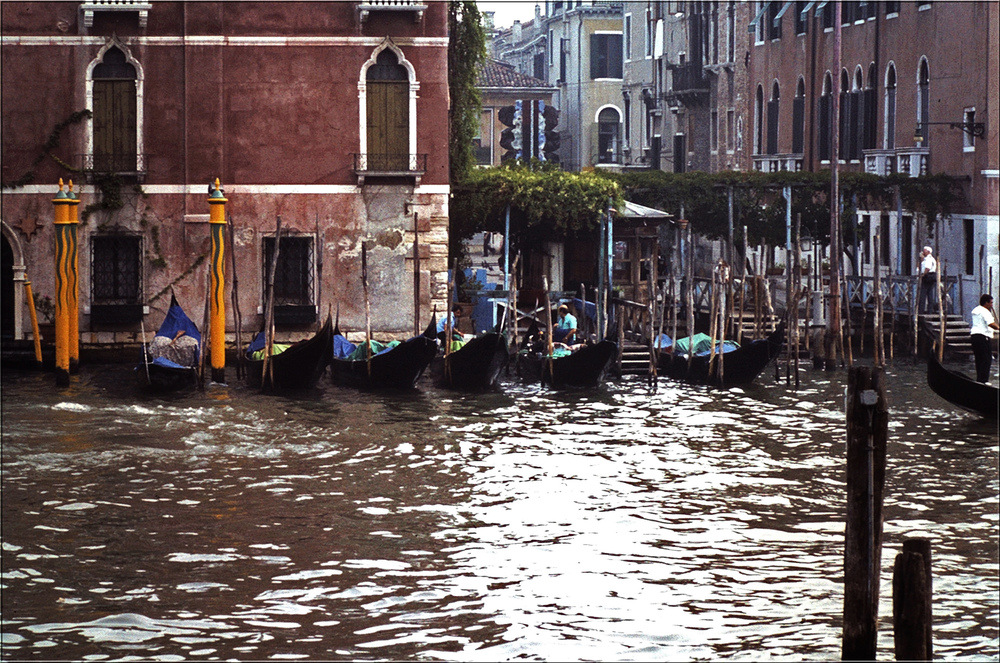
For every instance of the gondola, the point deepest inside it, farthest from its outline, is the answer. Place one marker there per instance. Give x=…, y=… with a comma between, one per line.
x=960, y=390
x=739, y=366
x=300, y=366
x=475, y=366
x=162, y=373
x=396, y=367
x=581, y=369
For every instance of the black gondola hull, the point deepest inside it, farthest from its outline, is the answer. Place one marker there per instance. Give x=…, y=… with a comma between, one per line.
x=476, y=366
x=739, y=367
x=164, y=379
x=976, y=397
x=399, y=368
x=583, y=369
x=299, y=367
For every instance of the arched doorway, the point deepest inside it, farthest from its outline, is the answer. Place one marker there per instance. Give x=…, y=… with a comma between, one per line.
x=7, y=290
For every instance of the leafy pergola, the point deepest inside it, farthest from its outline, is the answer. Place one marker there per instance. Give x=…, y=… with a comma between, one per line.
x=546, y=204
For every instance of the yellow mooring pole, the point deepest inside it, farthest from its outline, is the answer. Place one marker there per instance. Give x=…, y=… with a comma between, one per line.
x=217, y=322
x=73, y=284
x=62, y=237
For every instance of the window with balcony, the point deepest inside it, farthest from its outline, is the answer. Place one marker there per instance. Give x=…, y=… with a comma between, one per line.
x=889, y=142
x=605, y=55
x=116, y=279
x=923, y=101
x=799, y=117
x=115, y=104
x=758, y=124
x=825, y=125
x=387, y=96
x=294, y=302
x=773, y=110
x=414, y=7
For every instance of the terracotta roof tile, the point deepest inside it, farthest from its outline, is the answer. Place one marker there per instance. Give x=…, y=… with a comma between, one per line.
x=500, y=74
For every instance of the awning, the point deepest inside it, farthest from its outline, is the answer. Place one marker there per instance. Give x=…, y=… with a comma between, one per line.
x=636, y=212
x=756, y=19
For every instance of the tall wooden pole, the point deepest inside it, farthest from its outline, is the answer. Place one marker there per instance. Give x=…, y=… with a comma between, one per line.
x=237, y=314
x=64, y=245
x=217, y=324
x=73, y=290
x=368, y=310
x=833, y=324
x=416, y=274
x=34, y=322
x=549, y=348
x=867, y=432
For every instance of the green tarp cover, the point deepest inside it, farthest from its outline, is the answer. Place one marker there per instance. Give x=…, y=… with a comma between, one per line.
x=377, y=347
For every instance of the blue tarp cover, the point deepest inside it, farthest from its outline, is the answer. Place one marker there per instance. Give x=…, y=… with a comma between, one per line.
x=702, y=344
x=177, y=320
x=344, y=349
x=163, y=361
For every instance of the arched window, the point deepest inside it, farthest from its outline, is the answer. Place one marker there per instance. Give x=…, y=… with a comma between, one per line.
x=845, y=117
x=608, y=124
x=889, y=142
x=869, y=119
x=116, y=113
x=758, y=119
x=388, y=114
x=826, y=118
x=799, y=117
x=923, y=100
x=772, y=119
x=387, y=100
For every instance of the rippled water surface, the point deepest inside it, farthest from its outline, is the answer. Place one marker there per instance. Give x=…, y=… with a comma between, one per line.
x=609, y=525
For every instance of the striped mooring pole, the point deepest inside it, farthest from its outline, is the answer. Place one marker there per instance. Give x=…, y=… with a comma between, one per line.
x=64, y=245
x=217, y=321
x=73, y=291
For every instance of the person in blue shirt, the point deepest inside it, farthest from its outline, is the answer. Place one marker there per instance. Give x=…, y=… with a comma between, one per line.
x=442, y=326
x=565, y=329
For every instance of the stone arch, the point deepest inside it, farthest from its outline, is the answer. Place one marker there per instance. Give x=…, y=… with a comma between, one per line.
x=13, y=283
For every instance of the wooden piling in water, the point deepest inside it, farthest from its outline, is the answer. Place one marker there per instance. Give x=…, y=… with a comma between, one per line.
x=867, y=433
x=911, y=602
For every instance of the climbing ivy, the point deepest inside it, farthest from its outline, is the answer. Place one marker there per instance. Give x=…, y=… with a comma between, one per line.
x=466, y=55
x=47, y=149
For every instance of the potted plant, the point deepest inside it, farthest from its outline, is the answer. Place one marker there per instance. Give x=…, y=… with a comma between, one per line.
x=777, y=270
x=45, y=309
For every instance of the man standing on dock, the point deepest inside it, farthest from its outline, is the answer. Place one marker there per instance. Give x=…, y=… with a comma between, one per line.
x=928, y=280
x=983, y=324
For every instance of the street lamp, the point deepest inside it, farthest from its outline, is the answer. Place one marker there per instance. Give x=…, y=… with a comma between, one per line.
x=974, y=129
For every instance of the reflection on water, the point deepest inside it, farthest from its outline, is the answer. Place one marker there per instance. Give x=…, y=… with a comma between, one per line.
x=613, y=524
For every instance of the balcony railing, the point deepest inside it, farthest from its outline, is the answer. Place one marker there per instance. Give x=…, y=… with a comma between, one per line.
x=773, y=163
x=138, y=6
x=368, y=6
x=688, y=83
x=911, y=161
x=128, y=164
x=389, y=165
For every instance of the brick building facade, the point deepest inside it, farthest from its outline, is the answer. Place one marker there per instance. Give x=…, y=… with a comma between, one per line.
x=330, y=115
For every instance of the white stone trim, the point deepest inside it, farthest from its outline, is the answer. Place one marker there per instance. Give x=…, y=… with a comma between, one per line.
x=386, y=43
x=196, y=189
x=212, y=40
x=114, y=42
x=20, y=276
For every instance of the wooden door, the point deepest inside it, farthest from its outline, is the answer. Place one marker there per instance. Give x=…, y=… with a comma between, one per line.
x=388, y=126
x=114, y=126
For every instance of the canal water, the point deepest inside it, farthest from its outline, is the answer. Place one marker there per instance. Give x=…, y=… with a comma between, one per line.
x=616, y=524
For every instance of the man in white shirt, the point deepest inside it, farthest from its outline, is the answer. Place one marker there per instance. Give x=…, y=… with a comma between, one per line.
x=928, y=280
x=983, y=324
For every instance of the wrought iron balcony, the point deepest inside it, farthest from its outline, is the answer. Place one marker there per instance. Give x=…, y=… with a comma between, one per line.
x=911, y=161
x=366, y=7
x=688, y=83
x=389, y=165
x=127, y=164
x=137, y=6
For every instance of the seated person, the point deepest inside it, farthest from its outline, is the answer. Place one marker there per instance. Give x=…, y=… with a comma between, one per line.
x=442, y=325
x=565, y=327
x=181, y=349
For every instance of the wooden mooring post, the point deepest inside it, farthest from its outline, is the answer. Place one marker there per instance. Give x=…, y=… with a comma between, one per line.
x=867, y=432
x=911, y=602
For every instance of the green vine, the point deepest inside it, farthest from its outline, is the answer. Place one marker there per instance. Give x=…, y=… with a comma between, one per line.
x=200, y=259
x=466, y=55
x=51, y=143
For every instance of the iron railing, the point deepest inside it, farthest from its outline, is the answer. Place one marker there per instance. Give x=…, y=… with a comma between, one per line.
x=390, y=164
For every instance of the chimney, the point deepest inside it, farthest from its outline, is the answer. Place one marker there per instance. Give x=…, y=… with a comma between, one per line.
x=516, y=29
x=538, y=14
